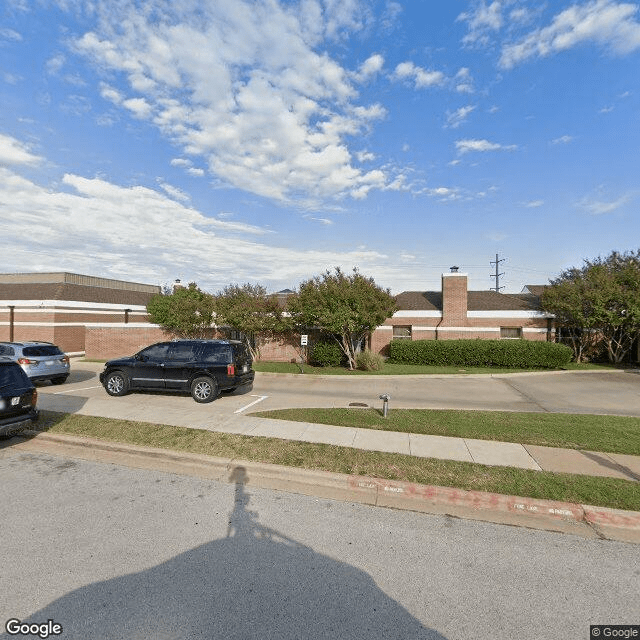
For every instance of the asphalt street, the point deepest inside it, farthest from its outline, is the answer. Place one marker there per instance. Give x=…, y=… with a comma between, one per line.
x=110, y=552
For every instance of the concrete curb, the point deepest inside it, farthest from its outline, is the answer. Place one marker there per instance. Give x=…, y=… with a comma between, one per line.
x=583, y=520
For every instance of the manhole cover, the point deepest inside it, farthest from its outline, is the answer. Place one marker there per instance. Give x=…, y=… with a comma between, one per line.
x=358, y=404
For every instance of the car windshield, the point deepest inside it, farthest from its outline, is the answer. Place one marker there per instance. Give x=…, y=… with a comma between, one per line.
x=42, y=350
x=11, y=376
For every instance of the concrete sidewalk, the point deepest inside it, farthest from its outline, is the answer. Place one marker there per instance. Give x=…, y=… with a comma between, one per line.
x=507, y=454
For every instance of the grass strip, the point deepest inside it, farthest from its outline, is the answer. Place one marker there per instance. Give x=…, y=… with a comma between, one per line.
x=613, y=434
x=606, y=492
x=390, y=369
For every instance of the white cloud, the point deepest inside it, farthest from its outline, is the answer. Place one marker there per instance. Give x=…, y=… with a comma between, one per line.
x=420, y=77
x=138, y=106
x=597, y=206
x=365, y=156
x=605, y=22
x=458, y=117
x=10, y=34
x=55, y=63
x=241, y=85
x=465, y=146
x=562, y=140
x=93, y=226
x=463, y=81
x=482, y=19
x=534, y=204
x=13, y=152
x=369, y=68
x=173, y=192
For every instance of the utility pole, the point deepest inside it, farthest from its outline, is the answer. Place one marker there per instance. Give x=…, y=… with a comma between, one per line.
x=497, y=274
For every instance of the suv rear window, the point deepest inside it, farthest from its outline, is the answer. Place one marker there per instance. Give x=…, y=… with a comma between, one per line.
x=12, y=375
x=6, y=350
x=43, y=350
x=217, y=354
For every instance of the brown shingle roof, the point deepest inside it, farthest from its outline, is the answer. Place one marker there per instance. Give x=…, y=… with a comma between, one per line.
x=72, y=292
x=476, y=301
x=419, y=301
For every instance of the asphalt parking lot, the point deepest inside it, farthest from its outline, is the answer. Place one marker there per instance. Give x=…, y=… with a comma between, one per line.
x=616, y=393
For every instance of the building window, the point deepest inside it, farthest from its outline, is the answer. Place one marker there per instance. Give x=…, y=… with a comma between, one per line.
x=510, y=333
x=402, y=332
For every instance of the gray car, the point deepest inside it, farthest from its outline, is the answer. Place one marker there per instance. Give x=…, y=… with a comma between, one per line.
x=39, y=360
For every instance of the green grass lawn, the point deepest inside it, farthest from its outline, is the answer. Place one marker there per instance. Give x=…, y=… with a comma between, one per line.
x=614, y=434
x=606, y=492
x=390, y=369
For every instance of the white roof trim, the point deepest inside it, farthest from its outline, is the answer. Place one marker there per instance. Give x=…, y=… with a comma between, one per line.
x=60, y=305
x=508, y=314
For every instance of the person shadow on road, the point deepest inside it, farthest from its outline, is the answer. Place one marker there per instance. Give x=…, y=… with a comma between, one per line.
x=253, y=584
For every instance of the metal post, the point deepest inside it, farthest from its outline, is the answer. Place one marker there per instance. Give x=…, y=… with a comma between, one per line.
x=11, y=318
x=385, y=397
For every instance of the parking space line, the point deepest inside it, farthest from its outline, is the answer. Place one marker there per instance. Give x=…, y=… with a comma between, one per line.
x=260, y=399
x=57, y=393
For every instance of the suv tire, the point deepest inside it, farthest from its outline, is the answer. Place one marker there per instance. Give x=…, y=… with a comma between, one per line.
x=204, y=389
x=116, y=384
x=60, y=380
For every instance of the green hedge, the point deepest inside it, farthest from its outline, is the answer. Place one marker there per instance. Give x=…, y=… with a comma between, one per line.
x=521, y=354
x=326, y=354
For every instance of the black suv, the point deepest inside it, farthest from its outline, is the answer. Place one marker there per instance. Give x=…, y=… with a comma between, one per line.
x=18, y=398
x=202, y=367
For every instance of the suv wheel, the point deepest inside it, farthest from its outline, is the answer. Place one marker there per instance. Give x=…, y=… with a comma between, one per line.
x=116, y=384
x=204, y=389
x=60, y=380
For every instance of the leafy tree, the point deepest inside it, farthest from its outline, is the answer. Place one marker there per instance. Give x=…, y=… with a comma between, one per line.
x=187, y=312
x=599, y=303
x=347, y=306
x=250, y=310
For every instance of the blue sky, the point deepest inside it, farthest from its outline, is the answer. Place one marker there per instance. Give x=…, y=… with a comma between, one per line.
x=267, y=141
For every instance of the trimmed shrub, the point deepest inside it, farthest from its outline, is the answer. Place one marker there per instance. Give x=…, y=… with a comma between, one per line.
x=326, y=354
x=521, y=354
x=369, y=361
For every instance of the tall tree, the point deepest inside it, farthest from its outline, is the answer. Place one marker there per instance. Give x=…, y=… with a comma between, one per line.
x=250, y=310
x=187, y=312
x=347, y=306
x=599, y=303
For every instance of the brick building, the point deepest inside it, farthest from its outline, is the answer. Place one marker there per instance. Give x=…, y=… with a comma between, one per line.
x=78, y=313
x=456, y=313
x=105, y=318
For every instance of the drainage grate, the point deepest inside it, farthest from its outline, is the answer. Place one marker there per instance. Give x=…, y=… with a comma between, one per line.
x=359, y=404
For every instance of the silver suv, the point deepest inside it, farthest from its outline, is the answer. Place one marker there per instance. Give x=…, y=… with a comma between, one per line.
x=39, y=360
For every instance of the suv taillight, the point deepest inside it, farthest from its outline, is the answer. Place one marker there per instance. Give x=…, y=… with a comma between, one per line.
x=26, y=361
x=231, y=370
x=65, y=359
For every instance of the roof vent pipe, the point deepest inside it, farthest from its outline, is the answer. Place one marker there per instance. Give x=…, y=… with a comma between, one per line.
x=454, y=269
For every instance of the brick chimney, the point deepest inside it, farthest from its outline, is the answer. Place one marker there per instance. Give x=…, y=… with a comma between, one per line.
x=454, y=298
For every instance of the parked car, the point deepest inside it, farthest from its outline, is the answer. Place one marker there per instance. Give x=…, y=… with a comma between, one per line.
x=18, y=398
x=39, y=360
x=201, y=367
